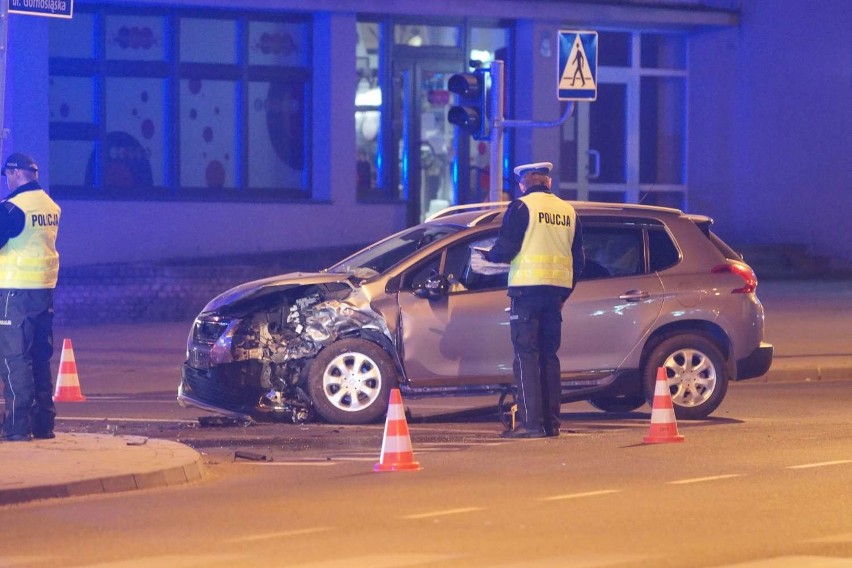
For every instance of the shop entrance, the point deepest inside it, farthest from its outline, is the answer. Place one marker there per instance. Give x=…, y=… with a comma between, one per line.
x=595, y=164
x=428, y=156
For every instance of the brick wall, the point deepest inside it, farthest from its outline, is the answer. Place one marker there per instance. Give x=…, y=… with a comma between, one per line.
x=169, y=290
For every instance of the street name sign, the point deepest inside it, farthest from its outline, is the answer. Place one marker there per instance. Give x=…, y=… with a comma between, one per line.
x=49, y=8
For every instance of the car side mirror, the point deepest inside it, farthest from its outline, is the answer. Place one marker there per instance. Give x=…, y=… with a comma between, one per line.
x=434, y=287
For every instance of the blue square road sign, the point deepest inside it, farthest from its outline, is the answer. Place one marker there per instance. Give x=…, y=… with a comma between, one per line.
x=577, y=78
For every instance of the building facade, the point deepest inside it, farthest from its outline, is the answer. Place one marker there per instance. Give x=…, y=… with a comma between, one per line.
x=203, y=128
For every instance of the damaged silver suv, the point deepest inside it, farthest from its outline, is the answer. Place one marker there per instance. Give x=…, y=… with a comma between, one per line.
x=660, y=289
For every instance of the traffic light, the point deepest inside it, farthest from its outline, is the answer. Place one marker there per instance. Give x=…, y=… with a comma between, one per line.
x=471, y=111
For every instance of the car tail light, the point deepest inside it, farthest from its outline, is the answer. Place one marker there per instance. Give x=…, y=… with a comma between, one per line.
x=742, y=270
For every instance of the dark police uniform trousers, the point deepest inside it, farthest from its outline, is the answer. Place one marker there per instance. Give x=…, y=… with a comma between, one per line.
x=26, y=318
x=535, y=321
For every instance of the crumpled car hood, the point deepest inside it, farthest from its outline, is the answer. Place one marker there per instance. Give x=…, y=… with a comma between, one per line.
x=258, y=288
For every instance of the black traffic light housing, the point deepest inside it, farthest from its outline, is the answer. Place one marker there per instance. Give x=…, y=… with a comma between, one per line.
x=471, y=111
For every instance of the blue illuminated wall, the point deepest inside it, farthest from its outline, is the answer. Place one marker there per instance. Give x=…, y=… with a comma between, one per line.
x=26, y=93
x=769, y=140
x=771, y=125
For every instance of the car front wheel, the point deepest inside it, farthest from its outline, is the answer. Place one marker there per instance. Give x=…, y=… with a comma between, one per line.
x=695, y=368
x=350, y=382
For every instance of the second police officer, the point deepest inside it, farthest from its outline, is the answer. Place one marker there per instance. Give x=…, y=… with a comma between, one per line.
x=542, y=241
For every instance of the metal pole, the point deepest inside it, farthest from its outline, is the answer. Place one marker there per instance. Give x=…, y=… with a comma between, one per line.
x=499, y=123
x=569, y=108
x=495, y=112
x=4, y=24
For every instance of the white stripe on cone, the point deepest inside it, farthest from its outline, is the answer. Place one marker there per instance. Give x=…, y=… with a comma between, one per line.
x=67, y=381
x=397, y=454
x=663, y=422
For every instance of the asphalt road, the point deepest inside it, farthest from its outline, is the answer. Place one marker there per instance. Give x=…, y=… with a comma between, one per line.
x=764, y=483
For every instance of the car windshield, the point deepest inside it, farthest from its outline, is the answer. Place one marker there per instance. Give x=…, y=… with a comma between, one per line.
x=378, y=258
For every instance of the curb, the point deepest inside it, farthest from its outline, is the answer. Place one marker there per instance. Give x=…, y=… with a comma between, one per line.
x=790, y=371
x=87, y=464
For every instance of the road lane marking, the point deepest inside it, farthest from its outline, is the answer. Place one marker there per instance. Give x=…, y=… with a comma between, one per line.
x=443, y=513
x=284, y=534
x=820, y=464
x=114, y=419
x=287, y=463
x=834, y=539
x=580, y=495
x=797, y=561
x=703, y=479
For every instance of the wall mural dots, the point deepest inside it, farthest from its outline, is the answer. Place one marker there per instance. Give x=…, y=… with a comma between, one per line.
x=134, y=37
x=147, y=128
x=215, y=174
x=206, y=139
x=275, y=44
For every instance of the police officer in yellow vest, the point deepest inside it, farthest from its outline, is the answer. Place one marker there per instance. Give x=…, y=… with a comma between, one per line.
x=29, y=266
x=541, y=239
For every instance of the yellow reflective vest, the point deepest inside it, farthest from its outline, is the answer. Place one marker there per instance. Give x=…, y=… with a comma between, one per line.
x=545, y=257
x=30, y=260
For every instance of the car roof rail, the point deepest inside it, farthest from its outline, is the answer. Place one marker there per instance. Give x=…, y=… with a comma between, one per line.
x=467, y=207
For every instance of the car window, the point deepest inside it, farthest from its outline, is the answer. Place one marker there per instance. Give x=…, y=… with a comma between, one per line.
x=417, y=275
x=455, y=264
x=723, y=247
x=612, y=252
x=381, y=256
x=480, y=275
x=662, y=251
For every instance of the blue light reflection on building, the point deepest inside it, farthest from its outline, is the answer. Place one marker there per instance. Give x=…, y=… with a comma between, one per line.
x=406, y=132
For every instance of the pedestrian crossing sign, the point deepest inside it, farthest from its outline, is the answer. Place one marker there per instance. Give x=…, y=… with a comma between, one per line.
x=578, y=66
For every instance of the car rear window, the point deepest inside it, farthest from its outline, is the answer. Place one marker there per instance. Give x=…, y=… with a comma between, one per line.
x=704, y=223
x=723, y=247
x=662, y=251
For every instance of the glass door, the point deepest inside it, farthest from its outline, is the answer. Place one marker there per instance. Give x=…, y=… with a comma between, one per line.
x=595, y=163
x=426, y=151
x=629, y=146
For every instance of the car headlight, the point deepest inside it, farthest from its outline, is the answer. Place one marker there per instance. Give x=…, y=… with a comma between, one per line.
x=210, y=341
x=221, y=353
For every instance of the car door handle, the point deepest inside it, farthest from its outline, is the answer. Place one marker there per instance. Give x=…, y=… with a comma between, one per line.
x=635, y=296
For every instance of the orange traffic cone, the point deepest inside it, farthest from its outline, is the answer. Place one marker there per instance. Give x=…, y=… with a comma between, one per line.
x=67, y=382
x=663, y=423
x=397, y=454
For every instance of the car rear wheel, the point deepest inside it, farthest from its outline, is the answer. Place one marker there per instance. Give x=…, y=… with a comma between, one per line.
x=350, y=382
x=625, y=403
x=696, y=374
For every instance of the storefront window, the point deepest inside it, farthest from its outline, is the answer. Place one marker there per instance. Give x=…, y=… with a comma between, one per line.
x=277, y=134
x=135, y=38
x=278, y=43
x=195, y=44
x=416, y=35
x=153, y=108
x=368, y=109
x=135, y=124
x=208, y=134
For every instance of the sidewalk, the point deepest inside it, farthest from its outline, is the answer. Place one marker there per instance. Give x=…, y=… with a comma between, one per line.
x=86, y=464
x=807, y=322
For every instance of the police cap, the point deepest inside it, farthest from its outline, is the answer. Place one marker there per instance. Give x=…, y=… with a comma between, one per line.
x=19, y=161
x=538, y=168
